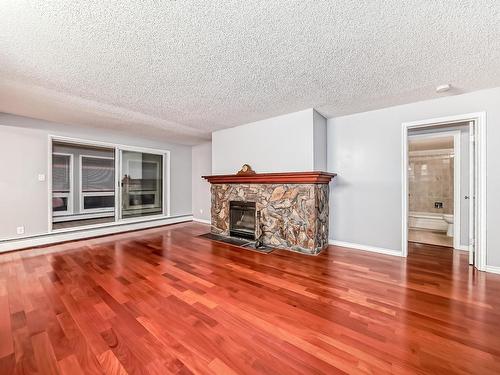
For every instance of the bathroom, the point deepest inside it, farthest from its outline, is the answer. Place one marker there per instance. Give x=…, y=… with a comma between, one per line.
x=438, y=186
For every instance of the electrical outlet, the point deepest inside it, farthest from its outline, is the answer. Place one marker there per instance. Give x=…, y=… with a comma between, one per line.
x=201, y=211
x=41, y=177
x=20, y=230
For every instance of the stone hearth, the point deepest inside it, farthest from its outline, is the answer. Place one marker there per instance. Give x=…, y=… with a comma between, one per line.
x=292, y=216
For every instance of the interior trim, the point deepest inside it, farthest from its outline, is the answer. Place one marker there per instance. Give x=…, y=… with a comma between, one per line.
x=493, y=269
x=52, y=238
x=373, y=249
x=202, y=221
x=273, y=178
x=478, y=257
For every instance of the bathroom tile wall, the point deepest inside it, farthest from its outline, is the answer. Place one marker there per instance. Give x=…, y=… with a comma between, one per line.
x=430, y=181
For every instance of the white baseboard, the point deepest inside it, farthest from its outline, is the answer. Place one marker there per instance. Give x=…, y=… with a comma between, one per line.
x=355, y=246
x=52, y=238
x=373, y=249
x=202, y=221
x=493, y=269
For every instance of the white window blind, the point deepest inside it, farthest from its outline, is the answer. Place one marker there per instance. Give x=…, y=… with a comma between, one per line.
x=98, y=174
x=61, y=170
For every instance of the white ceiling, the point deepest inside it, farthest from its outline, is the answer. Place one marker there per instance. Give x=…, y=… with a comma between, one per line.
x=177, y=70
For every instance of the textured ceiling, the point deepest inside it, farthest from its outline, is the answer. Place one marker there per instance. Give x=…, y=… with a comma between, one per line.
x=178, y=70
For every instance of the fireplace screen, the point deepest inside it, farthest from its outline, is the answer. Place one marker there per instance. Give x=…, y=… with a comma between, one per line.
x=242, y=219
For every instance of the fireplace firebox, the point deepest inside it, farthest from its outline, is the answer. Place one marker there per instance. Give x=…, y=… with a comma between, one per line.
x=242, y=219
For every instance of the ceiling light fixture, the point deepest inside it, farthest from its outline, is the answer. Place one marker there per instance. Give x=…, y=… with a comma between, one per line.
x=443, y=88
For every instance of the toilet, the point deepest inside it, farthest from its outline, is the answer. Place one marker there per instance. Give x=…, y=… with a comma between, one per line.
x=449, y=221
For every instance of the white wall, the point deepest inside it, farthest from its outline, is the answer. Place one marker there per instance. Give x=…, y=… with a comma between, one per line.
x=202, y=166
x=319, y=142
x=365, y=150
x=278, y=144
x=23, y=199
x=24, y=155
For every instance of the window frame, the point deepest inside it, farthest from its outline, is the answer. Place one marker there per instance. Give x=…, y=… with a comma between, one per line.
x=118, y=220
x=165, y=190
x=105, y=193
x=157, y=191
x=69, y=195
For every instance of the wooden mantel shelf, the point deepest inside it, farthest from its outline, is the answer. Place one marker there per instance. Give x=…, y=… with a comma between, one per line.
x=273, y=178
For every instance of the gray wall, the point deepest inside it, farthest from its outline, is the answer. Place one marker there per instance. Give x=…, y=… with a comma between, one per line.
x=277, y=144
x=24, y=155
x=23, y=199
x=365, y=150
x=319, y=142
x=202, y=166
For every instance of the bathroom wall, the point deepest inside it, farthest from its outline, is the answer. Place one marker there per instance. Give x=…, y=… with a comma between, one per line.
x=431, y=180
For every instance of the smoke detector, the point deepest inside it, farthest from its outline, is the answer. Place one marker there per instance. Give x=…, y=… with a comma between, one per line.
x=443, y=88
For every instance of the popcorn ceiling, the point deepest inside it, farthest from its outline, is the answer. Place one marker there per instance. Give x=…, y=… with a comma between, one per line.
x=177, y=70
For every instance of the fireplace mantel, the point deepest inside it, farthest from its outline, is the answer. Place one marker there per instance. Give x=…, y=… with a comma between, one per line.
x=273, y=178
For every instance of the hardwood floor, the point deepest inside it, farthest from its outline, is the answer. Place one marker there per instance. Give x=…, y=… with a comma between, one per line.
x=166, y=301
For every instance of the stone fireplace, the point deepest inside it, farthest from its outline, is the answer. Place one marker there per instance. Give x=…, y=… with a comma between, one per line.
x=283, y=210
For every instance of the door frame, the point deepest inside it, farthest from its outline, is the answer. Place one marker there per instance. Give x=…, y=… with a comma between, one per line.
x=479, y=135
x=165, y=173
x=457, y=193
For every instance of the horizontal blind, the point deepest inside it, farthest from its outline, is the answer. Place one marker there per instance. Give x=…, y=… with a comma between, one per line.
x=61, y=173
x=98, y=174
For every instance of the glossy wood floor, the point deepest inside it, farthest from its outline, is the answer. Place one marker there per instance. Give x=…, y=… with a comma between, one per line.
x=164, y=301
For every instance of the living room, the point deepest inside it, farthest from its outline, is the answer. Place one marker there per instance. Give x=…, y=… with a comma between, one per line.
x=230, y=188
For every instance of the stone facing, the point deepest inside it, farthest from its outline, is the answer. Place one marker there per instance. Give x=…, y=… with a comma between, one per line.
x=291, y=216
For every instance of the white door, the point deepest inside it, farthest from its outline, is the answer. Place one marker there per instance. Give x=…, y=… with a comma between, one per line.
x=472, y=193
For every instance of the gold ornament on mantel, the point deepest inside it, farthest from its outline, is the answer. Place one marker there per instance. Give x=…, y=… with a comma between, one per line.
x=245, y=170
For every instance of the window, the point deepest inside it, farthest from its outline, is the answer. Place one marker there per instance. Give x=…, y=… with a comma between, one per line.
x=92, y=201
x=83, y=184
x=98, y=173
x=60, y=203
x=88, y=189
x=97, y=183
x=62, y=177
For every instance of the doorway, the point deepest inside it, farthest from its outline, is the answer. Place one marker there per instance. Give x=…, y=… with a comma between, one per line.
x=444, y=185
x=435, y=170
x=141, y=184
